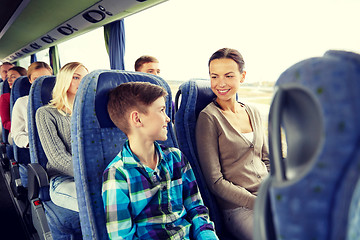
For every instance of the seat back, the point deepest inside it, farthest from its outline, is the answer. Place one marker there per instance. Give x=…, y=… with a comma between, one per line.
x=309, y=193
x=40, y=94
x=96, y=141
x=20, y=88
x=195, y=96
x=5, y=87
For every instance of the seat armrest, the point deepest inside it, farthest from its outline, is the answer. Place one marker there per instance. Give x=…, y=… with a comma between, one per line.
x=263, y=219
x=37, y=179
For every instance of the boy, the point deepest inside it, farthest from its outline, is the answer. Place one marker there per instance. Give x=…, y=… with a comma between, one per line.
x=147, y=64
x=149, y=191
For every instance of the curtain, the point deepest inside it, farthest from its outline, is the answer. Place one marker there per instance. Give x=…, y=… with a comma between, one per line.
x=54, y=59
x=33, y=58
x=114, y=34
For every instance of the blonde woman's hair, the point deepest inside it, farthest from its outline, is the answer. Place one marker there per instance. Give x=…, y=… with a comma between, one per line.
x=60, y=99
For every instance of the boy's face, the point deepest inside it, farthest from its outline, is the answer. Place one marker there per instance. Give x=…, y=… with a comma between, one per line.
x=155, y=121
x=150, y=67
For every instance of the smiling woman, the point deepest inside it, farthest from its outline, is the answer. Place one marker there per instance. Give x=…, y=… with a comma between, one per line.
x=232, y=147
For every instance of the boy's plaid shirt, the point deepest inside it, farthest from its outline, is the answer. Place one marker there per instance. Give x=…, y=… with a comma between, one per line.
x=164, y=203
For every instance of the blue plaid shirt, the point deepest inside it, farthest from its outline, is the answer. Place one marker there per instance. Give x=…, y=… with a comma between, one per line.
x=164, y=203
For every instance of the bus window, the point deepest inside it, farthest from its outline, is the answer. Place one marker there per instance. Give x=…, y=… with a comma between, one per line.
x=89, y=49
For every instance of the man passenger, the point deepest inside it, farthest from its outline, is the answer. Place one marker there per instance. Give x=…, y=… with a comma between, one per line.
x=4, y=68
x=147, y=64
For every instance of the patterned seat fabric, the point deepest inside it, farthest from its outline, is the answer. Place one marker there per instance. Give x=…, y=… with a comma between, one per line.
x=313, y=193
x=20, y=88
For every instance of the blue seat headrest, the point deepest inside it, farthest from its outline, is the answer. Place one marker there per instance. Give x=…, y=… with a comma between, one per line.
x=39, y=95
x=6, y=87
x=198, y=91
x=22, y=86
x=46, y=93
x=204, y=97
x=110, y=80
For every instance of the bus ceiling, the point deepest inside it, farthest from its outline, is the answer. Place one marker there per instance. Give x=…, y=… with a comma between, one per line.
x=27, y=27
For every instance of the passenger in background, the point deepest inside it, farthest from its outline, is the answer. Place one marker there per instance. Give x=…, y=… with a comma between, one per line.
x=12, y=74
x=3, y=74
x=53, y=123
x=150, y=191
x=231, y=144
x=19, y=126
x=147, y=64
x=4, y=68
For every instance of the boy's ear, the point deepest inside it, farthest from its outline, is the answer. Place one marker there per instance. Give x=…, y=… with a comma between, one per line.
x=135, y=119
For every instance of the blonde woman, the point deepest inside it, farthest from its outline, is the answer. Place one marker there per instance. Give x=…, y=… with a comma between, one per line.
x=53, y=122
x=19, y=128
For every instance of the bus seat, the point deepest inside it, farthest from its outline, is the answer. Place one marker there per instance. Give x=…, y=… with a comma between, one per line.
x=50, y=220
x=7, y=149
x=195, y=95
x=313, y=191
x=18, y=165
x=97, y=141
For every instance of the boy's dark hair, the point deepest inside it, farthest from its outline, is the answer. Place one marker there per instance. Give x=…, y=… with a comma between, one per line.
x=142, y=60
x=131, y=96
x=22, y=71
